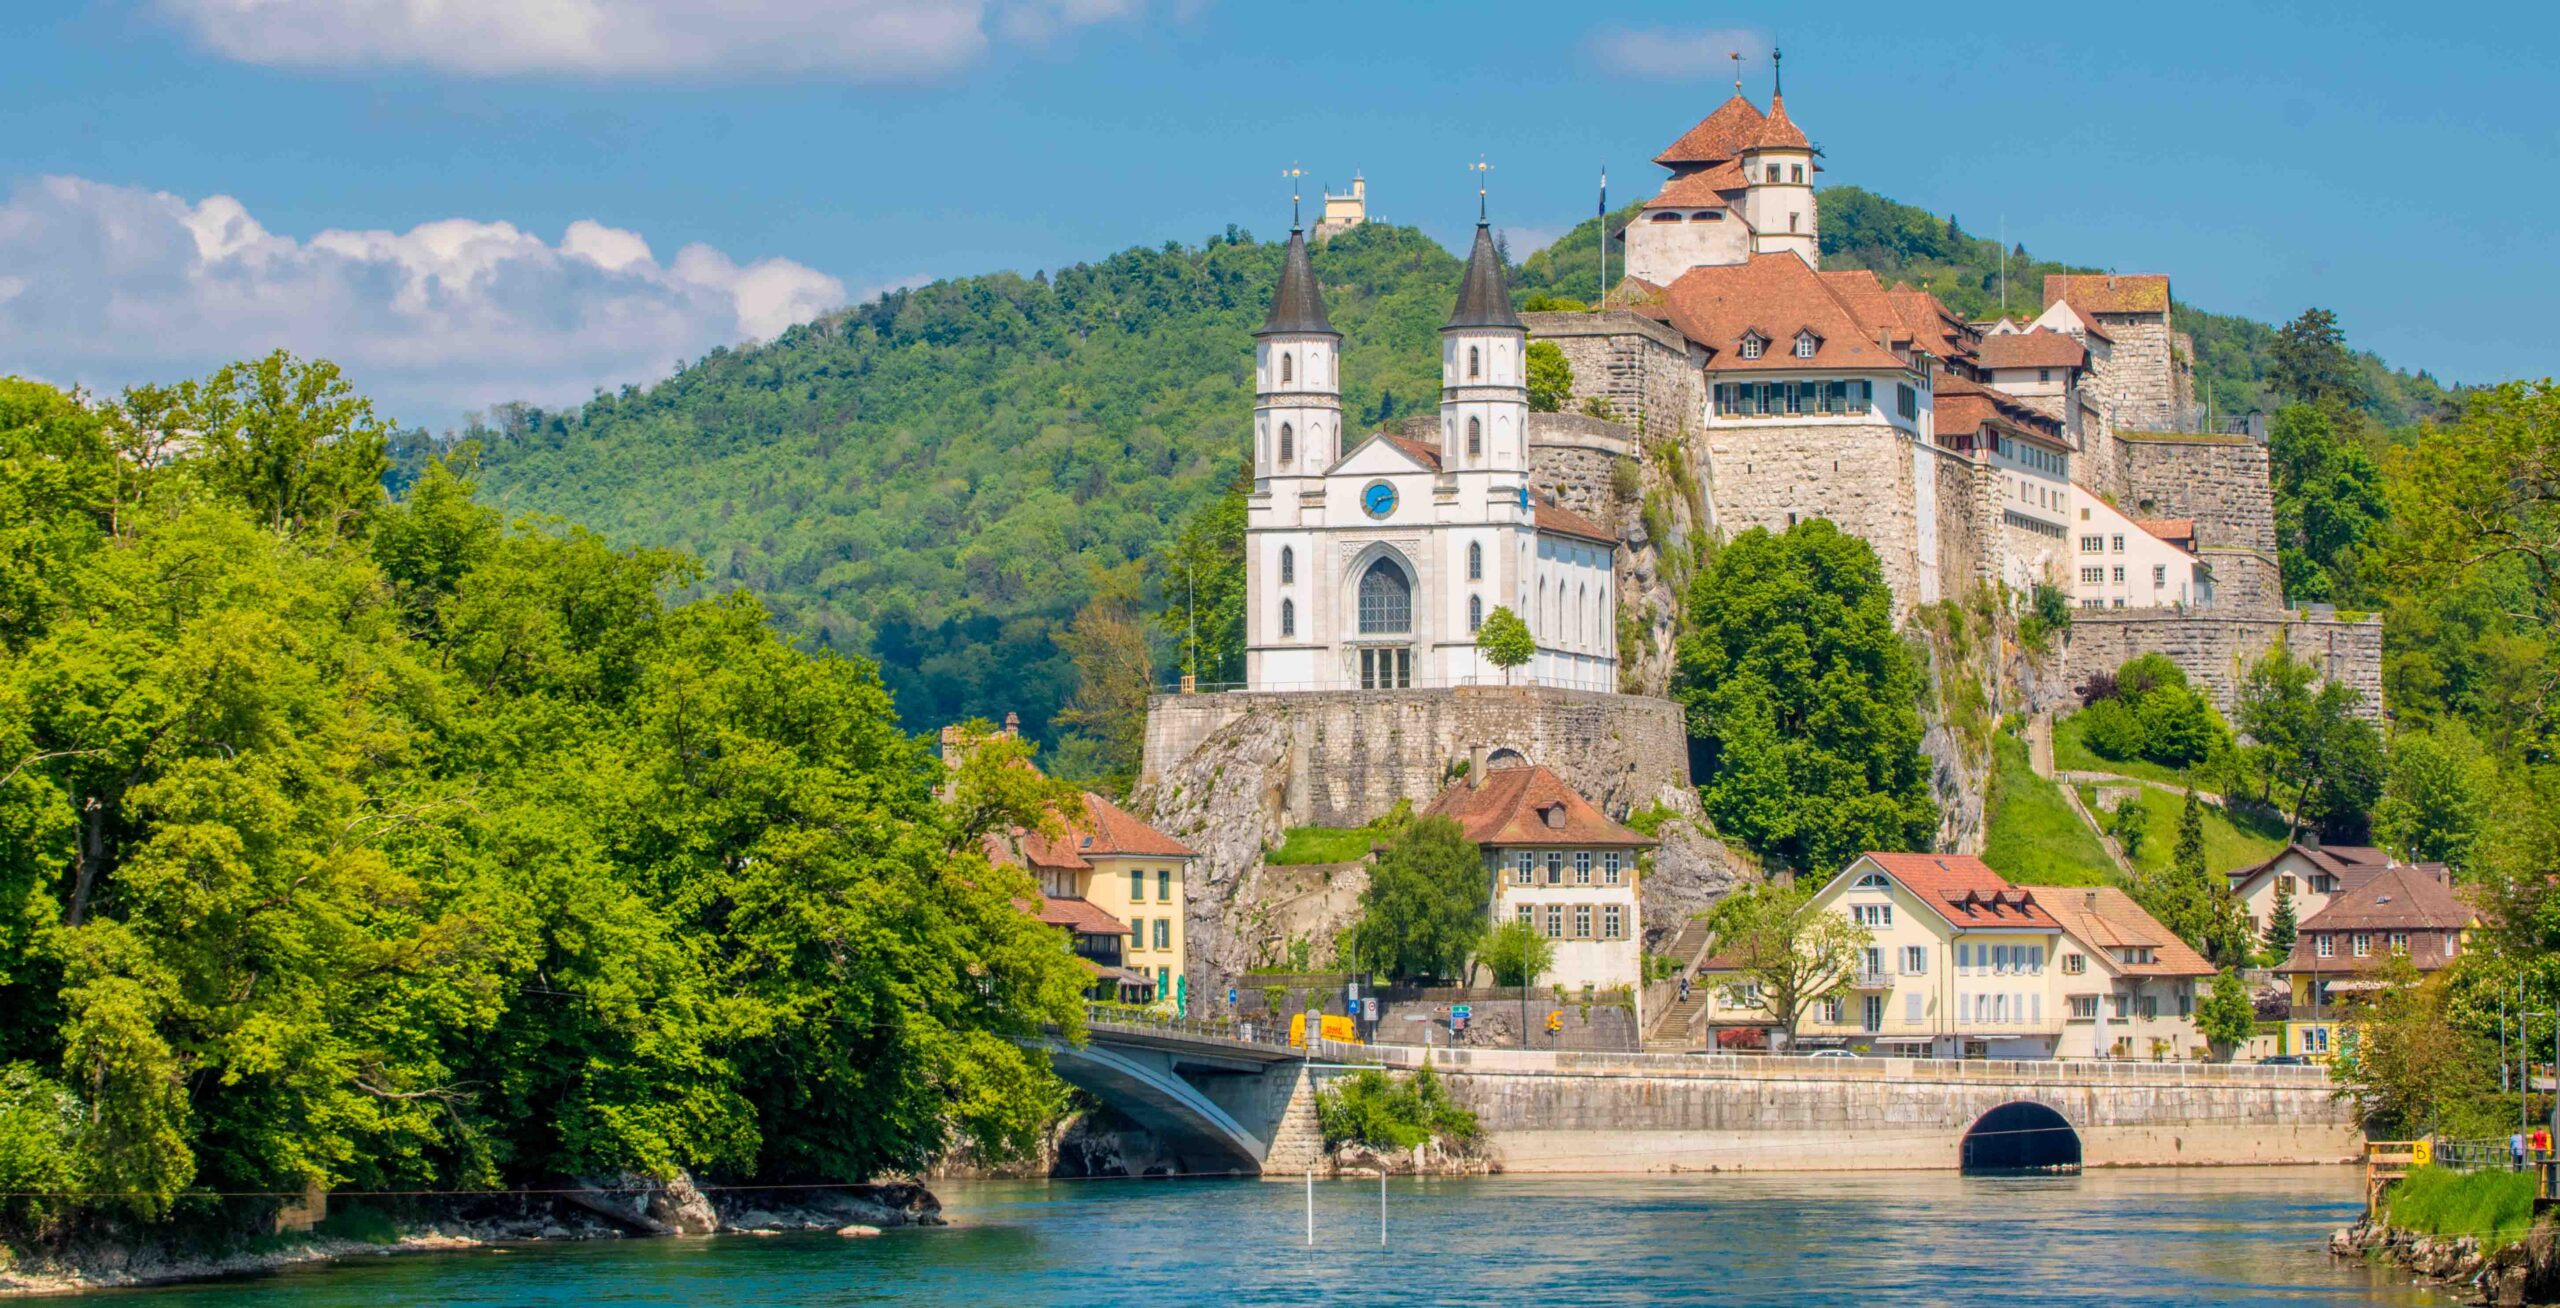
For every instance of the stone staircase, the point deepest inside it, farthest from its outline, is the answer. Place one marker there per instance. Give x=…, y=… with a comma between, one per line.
x=1668, y=1021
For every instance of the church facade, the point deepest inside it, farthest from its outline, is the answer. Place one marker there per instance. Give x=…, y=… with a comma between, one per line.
x=1374, y=566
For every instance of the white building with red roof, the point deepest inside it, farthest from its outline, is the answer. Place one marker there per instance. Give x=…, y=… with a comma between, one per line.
x=2123, y=562
x=1373, y=566
x=1558, y=863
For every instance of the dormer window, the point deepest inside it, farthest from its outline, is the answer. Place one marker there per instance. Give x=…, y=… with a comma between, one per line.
x=1752, y=344
x=1806, y=343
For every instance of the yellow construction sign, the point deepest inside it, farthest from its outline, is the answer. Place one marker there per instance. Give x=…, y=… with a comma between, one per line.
x=1329, y=1027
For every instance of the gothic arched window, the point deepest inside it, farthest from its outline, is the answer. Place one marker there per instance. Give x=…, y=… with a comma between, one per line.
x=1288, y=618
x=1288, y=565
x=1386, y=600
x=1475, y=613
x=1288, y=443
x=1286, y=369
x=1475, y=362
x=1475, y=437
x=1475, y=561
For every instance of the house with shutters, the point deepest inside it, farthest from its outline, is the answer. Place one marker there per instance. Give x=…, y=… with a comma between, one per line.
x=2128, y=986
x=2400, y=911
x=1555, y=861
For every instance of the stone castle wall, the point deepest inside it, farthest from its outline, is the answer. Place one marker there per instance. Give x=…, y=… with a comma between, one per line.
x=1641, y=367
x=1859, y=476
x=2215, y=647
x=2142, y=373
x=1968, y=520
x=2224, y=483
x=1575, y=459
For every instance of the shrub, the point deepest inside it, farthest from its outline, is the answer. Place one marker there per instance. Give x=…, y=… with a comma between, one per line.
x=1371, y=1108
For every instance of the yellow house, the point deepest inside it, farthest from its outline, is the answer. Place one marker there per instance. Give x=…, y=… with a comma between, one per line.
x=2406, y=911
x=1962, y=963
x=2128, y=986
x=1141, y=876
x=2308, y=874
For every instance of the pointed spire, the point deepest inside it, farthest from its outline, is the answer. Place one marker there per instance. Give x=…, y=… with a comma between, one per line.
x=1297, y=307
x=1484, y=297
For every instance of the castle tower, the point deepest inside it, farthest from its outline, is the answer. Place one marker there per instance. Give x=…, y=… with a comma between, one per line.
x=1484, y=381
x=1778, y=168
x=1297, y=356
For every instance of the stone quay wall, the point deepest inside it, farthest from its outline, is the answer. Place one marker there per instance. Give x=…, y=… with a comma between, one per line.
x=1641, y=367
x=2226, y=484
x=1350, y=755
x=1595, y=1112
x=2216, y=647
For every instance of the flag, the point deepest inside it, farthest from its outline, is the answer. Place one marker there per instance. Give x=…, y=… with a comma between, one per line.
x=1604, y=192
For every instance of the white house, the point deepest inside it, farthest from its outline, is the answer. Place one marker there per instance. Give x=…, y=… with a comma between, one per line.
x=2121, y=562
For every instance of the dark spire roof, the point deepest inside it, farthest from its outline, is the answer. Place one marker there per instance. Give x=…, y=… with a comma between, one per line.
x=1298, y=306
x=1484, y=298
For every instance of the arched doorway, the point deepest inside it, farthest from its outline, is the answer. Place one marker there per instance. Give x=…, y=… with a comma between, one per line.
x=2021, y=1137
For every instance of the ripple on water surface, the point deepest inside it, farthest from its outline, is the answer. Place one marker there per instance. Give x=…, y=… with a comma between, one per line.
x=2248, y=1235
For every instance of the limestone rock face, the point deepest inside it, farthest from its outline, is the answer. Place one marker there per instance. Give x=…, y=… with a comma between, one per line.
x=682, y=1209
x=1691, y=872
x=1224, y=800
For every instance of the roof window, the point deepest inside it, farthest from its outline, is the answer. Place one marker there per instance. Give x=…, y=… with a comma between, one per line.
x=1752, y=344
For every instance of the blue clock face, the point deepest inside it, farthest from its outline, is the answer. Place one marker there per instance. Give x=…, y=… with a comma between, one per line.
x=1379, y=499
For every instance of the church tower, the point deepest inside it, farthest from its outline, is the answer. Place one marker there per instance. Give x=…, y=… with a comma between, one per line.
x=1484, y=380
x=1297, y=356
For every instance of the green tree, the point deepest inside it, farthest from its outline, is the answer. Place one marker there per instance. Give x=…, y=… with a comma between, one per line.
x=2308, y=363
x=1423, y=910
x=2406, y=1064
x=1505, y=641
x=289, y=439
x=1804, y=700
x=2436, y=798
x=1517, y=953
x=1203, y=575
x=1115, y=673
x=1550, y=377
x=2313, y=751
x=1795, y=954
x=2191, y=901
x=2280, y=922
x=2227, y=1016
x=2329, y=504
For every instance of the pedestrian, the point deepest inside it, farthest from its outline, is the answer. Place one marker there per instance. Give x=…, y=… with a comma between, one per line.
x=2515, y=1150
x=1684, y=986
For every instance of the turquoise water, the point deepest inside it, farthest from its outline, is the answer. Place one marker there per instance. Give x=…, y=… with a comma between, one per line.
x=2160, y=1237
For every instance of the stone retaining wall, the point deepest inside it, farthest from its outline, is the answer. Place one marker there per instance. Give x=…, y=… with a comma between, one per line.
x=2223, y=482
x=2215, y=647
x=1641, y=367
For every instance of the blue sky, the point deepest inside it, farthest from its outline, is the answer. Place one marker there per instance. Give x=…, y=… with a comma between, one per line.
x=498, y=202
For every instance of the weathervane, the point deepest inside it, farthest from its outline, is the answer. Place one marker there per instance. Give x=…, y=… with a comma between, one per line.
x=1736, y=56
x=1293, y=172
x=1480, y=168
x=1777, y=71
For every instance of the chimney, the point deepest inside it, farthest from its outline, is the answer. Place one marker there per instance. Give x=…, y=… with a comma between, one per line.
x=2091, y=899
x=1476, y=765
x=2308, y=838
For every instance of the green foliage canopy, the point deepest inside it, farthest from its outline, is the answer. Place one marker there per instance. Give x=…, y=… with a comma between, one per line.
x=1423, y=910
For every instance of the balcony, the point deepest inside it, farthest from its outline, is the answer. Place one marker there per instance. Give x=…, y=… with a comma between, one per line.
x=1871, y=979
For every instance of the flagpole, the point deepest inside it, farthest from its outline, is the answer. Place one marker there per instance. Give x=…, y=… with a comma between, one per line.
x=1603, y=301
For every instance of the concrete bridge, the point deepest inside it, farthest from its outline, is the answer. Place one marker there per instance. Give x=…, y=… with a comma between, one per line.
x=1220, y=1103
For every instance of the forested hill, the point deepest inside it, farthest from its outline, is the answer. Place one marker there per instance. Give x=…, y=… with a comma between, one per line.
x=935, y=478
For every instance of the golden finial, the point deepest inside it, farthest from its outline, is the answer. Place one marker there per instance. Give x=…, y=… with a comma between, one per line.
x=1480, y=168
x=1293, y=172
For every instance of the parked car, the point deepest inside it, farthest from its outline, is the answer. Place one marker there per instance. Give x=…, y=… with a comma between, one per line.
x=1831, y=1053
x=2284, y=1060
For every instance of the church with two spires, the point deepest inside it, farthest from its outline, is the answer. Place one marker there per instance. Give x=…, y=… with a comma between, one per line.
x=1374, y=567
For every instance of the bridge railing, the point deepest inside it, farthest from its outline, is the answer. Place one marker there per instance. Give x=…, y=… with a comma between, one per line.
x=1761, y=1067
x=1259, y=1033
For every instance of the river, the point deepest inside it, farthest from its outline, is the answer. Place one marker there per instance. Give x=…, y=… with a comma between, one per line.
x=2241, y=1235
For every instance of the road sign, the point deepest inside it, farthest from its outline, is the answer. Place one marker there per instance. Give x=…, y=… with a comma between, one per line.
x=1369, y=1009
x=1461, y=1012
x=1231, y=996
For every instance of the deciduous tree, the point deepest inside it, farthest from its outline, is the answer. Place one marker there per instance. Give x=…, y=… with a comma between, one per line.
x=1505, y=641
x=1795, y=954
x=1423, y=911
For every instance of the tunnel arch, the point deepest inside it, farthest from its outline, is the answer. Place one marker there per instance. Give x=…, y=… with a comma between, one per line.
x=2021, y=1136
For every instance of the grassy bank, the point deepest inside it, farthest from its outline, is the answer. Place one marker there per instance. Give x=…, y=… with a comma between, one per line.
x=2230, y=840
x=2032, y=835
x=1300, y=846
x=2495, y=1206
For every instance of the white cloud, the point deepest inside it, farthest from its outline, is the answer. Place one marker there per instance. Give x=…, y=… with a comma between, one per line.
x=107, y=285
x=1680, y=54
x=864, y=40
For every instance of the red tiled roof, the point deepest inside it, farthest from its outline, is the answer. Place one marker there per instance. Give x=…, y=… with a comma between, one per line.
x=1109, y=831
x=1025, y=848
x=2041, y=348
x=2106, y=919
x=2176, y=531
x=2350, y=864
x=1423, y=452
x=1528, y=806
x=1776, y=295
x=2109, y=292
x=1930, y=323
x=2396, y=899
x=1081, y=916
x=1699, y=190
x=1962, y=406
x=1963, y=889
x=1867, y=299
x=1556, y=519
x=1777, y=131
x=1717, y=137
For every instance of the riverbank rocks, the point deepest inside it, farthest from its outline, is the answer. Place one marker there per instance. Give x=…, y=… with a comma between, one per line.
x=680, y=1207
x=1438, y=1157
x=2517, y=1276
